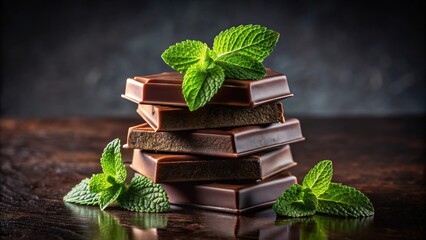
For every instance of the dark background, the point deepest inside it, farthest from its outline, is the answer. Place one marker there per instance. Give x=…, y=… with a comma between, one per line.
x=341, y=58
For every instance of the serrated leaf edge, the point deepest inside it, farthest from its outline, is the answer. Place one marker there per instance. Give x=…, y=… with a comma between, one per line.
x=83, y=184
x=364, y=211
x=324, y=166
x=276, y=34
x=162, y=203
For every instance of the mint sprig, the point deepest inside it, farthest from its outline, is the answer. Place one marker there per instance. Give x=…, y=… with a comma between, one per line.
x=318, y=194
x=107, y=187
x=237, y=53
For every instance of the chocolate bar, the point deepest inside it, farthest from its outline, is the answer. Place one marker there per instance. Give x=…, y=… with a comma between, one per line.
x=230, y=197
x=165, y=118
x=166, y=89
x=161, y=167
x=234, y=142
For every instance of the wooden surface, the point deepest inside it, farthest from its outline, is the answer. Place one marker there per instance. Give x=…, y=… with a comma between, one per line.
x=42, y=159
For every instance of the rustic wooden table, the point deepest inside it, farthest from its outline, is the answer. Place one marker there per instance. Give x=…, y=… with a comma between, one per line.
x=42, y=159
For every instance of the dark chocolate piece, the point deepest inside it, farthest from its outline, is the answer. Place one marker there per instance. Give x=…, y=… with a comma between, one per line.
x=165, y=118
x=166, y=89
x=227, y=197
x=233, y=142
x=163, y=167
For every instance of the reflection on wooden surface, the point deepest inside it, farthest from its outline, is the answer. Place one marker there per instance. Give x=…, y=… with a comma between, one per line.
x=42, y=159
x=259, y=225
x=321, y=226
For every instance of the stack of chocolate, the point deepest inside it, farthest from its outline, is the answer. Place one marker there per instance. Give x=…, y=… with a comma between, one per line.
x=230, y=155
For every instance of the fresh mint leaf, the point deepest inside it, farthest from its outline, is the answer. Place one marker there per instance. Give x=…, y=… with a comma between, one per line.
x=105, y=188
x=253, y=41
x=109, y=195
x=296, y=202
x=344, y=201
x=81, y=194
x=111, y=161
x=237, y=53
x=144, y=195
x=201, y=83
x=330, y=198
x=183, y=55
x=238, y=66
x=319, y=177
x=100, y=182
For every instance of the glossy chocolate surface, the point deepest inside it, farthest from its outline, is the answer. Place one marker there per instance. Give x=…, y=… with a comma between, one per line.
x=166, y=89
x=234, y=142
x=166, y=167
x=166, y=118
x=230, y=197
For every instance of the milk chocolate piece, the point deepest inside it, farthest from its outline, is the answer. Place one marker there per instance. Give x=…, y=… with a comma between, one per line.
x=166, y=89
x=234, y=142
x=230, y=197
x=163, y=167
x=165, y=118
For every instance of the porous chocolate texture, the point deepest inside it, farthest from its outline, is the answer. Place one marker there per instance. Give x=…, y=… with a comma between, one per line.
x=233, y=142
x=165, y=118
x=169, y=167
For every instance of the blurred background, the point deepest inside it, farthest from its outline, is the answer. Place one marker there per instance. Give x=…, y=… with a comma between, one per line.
x=72, y=58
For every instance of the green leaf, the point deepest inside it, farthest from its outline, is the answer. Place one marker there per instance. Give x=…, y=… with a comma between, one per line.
x=100, y=182
x=201, y=84
x=111, y=161
x=239, y=66
x=81, y=194
x=296, y=202
x=319, y=177
x=144, y=195
x=253, y=41
x=344, y=201
x=109, y=195
x=183, y=55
